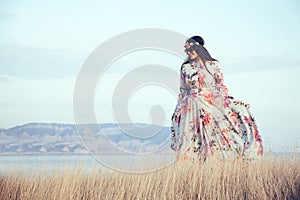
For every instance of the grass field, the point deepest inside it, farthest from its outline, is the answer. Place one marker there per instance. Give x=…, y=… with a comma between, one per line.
x=267, y=178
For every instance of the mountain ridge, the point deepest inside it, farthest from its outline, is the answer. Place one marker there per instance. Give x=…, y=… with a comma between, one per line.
x=65, y=138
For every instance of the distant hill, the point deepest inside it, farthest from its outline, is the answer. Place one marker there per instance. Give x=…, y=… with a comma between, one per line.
x=55, y=138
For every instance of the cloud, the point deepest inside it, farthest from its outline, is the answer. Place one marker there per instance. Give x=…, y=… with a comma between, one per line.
x=7, y=13
x=8, y=78
x=28, y=61
x=260, y=63
x=25, y=100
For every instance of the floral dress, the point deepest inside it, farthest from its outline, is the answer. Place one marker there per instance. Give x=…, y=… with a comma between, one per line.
x=208, y=121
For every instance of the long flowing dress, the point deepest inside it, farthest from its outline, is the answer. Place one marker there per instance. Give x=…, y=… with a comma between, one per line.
x=208, y=121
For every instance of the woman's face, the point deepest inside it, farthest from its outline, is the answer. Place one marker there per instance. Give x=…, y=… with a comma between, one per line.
x=190, y=52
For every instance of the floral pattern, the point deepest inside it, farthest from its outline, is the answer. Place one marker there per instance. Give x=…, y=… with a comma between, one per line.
x=208, y=121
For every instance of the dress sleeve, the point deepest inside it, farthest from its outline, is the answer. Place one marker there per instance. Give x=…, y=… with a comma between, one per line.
x=182, y=93
x=221, y=92
x=182, y=88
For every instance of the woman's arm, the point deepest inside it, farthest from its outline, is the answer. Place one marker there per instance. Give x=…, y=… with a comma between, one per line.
x=218, y=81
x=182, y=92
x=182, y=88
x=221, y=95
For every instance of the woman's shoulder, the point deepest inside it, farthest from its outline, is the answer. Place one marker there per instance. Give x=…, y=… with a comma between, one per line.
x=214, y=65
x=212, y=62
x=185, y=64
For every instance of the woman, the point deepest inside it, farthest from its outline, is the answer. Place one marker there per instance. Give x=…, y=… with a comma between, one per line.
x=207, y=120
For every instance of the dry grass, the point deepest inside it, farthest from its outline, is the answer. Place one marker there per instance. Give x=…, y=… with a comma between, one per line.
x=267, y=178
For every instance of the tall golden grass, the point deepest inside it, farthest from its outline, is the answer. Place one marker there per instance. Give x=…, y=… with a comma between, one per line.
x=266, y=178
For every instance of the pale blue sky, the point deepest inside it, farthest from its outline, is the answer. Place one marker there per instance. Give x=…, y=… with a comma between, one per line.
x=44, y=43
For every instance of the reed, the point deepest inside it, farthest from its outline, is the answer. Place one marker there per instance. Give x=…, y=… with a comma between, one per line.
x=266, y=178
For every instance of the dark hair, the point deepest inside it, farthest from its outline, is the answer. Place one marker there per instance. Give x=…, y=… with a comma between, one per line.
x=196, y=38
x=200, y=49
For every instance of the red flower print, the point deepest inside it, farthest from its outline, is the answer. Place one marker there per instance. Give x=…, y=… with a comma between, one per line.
x=233, y=114
x=184, y=107
x=226, y=141
x=225, y=90
x=207, y=94
x=256, y=135
x=248, y=120
x=206, y=118
x=225, y=131
x=226, y=102
x=201, y=79
x=194, y=94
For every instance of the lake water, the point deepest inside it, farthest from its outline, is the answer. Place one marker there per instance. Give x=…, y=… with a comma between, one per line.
x=26, y=164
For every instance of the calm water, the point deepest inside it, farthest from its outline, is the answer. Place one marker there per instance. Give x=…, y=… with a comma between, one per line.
x=25, y=164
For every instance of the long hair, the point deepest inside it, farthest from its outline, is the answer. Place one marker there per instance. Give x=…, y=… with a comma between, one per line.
x=200, y=50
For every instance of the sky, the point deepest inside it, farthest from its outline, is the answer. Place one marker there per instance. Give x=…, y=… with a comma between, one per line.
x=43, y=45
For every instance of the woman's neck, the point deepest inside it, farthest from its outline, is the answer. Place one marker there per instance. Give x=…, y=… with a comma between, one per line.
x=198, y=60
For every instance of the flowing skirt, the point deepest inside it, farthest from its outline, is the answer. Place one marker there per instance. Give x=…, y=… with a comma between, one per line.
x=200, y=130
